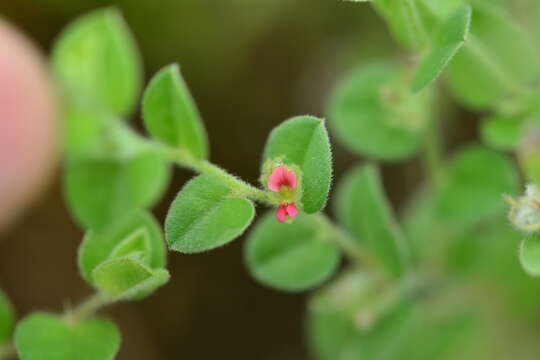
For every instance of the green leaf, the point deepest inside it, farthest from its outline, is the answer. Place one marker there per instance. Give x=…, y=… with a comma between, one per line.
x=127, y=278
x=7, y=318
x=42, y=336
x=82, y=128
x=96, y=59
x=476, y=180
x=204, y=215
x=363, y=209
x=502, y=132
x=99, y=246
x=529, y=254
x=291, y=257
x=373, y=114
x=303, y=141
x=497, y=60
x=446, y=43
x=170, y=114
x=102, y=191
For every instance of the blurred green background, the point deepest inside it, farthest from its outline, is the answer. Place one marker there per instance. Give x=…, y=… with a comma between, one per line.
x=250, y=65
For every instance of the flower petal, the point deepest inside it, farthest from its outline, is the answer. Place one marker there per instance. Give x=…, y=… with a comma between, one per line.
x=276, y=180
x=281, y=213
x=290, y=178
x=291, y=210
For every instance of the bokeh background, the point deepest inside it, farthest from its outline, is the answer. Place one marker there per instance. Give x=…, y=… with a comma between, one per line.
x=250, y=64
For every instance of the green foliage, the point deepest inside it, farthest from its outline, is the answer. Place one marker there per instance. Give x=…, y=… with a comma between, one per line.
x=42, y=336
x=498, y=59
x=291, y=257
x=204, y=215
x=476, y=180
x=529, y=254
x=364, y=211
x=127, y=278
x=171, y=116
x=349, y=321
x=96, y=60
x=7, y=318
x=100, y=191
x=502, y=132
x=121, y=239
x=303, y=141
x=446, y=43
x=373, y=113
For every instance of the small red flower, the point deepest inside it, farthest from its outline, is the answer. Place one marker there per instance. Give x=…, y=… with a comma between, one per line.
x=285, y=210
x=283, y=178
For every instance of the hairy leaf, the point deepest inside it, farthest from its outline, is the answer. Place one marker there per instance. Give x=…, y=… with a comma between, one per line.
x=205, y=215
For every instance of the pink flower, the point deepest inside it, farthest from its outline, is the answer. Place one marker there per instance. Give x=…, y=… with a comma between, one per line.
x=285, y=210
x=281, y=176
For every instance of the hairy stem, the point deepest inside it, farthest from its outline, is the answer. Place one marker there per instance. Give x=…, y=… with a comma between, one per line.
x=355, y=252
x=86, y=308
x=7, y=351
x=201, y=166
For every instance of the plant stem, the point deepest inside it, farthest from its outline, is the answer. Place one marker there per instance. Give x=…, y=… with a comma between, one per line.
x=483, y=55
x=7, y=351
x=417, y=28
x=201, y=166
x=432, y=157
x=86, y=308
x=356, y=253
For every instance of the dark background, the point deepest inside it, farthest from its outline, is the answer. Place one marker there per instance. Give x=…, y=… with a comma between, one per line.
x=250, y=64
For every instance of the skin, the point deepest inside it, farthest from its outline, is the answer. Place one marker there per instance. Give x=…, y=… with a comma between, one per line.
x=27, y=123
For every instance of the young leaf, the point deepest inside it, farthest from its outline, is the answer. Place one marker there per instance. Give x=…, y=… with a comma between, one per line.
x=291, y=257
x=529, y=254
x=497, y=60
x=205, y=215
x=127, y=278
x=303, y=141
x=96, y=59
x=102, y=191
x=7, y=318
x=446, y=43
x=170, y=114
x=99, y=246
x=476, y=180
x=373, y=114
x=502, y=132
x=42, y=336
x=82, y=128
x=364, y=211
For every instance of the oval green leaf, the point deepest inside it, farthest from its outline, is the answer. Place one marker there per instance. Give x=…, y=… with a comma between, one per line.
x=303, y=141
x=96, y=60
x=363, y=209
x=205, y=215
x=290, y=257
x=102, y=191
x=7, y=318
x=529, y=254
x=99, y=246
x=373, y=114
x=502, y=132
x=170, y=114
x=42, y=336
x=497, y=60
x=447, y=41
x=476, y=180
x=127, y=278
